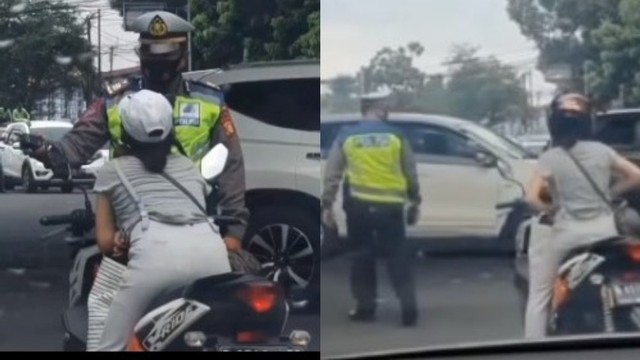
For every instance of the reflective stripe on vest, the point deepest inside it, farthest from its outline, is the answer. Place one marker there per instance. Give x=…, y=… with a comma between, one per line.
x=194, y=120
x=374, y=167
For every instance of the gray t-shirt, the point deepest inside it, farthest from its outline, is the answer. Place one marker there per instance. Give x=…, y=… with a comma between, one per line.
x=163, y=201
x=575, y=196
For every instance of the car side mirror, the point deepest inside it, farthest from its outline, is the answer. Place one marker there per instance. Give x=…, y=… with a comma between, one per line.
x=486, y=159
x=214, y=161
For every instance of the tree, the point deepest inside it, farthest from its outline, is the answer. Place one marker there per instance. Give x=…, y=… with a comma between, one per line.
x=483, y=88
x=230, y=31
x=394, y=68
x=342, y=97
x=563, y=29
x=47, y=51
x=617, y=71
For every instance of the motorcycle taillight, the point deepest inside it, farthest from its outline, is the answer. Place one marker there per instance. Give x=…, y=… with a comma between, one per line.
x=561, y=292
x=246, y=337
x=262, y=298
x=634, y=252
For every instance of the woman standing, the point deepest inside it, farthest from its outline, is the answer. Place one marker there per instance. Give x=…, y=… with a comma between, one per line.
x=580, y=215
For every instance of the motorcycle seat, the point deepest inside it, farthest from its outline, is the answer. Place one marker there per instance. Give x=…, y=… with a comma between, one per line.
x=203, y=289
x=595, y=247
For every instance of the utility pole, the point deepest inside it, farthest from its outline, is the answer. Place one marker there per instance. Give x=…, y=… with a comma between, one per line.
x=90, y=82
x=99, y=46
x=111, y=49
x=189, y=35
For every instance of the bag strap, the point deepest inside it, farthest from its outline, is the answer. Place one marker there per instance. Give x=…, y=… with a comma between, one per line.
x=590, y=179
x=192, y=198
x=144, y=214
x=185, y=191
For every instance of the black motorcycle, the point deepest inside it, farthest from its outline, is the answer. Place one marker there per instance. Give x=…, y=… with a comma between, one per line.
x=228, y=312
x=597, y=288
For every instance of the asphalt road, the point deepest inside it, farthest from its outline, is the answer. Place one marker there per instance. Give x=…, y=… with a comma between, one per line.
x=32, y=299
x=468, y=298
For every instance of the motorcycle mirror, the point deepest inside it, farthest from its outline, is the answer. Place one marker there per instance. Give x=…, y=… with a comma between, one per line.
x=214, y=161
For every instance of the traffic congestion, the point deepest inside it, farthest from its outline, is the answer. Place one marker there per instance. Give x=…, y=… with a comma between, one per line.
x=480, y=180
x=149, y=208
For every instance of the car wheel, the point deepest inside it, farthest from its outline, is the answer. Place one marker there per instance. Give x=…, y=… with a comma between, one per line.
x=66, y=188
x=28, y=182
x=287, y=243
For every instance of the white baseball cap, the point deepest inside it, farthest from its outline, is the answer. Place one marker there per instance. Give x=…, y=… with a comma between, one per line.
x=147, y=116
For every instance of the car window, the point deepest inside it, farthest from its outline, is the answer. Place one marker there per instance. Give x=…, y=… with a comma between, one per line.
x=438, y=141
x=14, y=135
x=291, y=103
x=619, y=130
x=51, y=133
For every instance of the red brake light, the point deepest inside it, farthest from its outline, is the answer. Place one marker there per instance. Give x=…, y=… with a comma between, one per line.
x=135, y=345
x=634, y=252
x=261, y=298
x=250, y=337
x=561, y=293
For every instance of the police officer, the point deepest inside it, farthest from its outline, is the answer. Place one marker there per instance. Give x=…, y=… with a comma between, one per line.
x=382, y=180
x=20, y=114
x=201, y=120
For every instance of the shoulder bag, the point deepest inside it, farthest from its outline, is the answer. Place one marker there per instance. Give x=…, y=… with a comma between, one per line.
x=620, y=209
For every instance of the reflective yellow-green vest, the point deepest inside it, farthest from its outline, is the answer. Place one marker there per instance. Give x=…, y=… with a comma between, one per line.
x=374, y=167
x=195, y=117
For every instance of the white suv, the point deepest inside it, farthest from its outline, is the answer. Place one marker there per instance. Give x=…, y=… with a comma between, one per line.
x=459, y=183
x=18, y=168
x=276, y=109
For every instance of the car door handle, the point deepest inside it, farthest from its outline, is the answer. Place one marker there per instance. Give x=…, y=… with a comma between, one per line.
x=313, y=156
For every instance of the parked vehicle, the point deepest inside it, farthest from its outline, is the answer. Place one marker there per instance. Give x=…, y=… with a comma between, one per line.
x=18, y=168
x=459, y=164
x=276, y=110
x=228, y=312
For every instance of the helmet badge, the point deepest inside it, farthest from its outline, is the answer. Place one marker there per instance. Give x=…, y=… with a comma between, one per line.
x=158, y=27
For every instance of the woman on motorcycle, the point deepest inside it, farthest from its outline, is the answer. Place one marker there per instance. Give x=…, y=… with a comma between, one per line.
x=169, y=241
x=559, y=188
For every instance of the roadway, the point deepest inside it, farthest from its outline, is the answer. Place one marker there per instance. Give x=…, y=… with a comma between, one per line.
x=463, y=298
x=33, y=274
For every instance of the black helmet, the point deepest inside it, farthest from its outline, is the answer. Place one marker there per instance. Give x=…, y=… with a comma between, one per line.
x=569, y=119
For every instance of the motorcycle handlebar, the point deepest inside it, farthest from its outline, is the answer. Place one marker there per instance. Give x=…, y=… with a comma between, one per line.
x=56, y=220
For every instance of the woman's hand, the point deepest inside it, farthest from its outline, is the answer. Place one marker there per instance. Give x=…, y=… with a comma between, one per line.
x=120, y=244
x=233, y=244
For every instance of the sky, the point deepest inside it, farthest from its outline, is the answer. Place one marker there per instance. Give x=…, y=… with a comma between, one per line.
x=352, y=31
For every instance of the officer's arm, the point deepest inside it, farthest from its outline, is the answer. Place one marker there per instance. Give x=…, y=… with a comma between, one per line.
x=334, y=171
x=410, y=172
x=231, y=183
x=88, y=135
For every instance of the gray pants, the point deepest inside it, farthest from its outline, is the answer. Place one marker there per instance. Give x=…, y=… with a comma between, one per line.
x=545, y=256
x=162, y=257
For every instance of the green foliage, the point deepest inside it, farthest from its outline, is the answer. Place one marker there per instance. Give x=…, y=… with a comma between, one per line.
x=44, y=49
x=475, y=88
x=230, y=31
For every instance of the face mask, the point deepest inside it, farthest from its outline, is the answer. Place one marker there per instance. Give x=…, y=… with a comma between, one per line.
x=160, y=71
